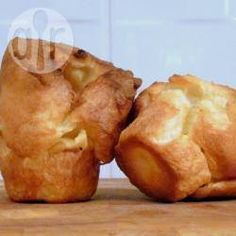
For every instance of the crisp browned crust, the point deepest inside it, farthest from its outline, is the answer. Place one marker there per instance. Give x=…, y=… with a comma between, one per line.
x=57, y=128
x=216, y=189
x=183, y=140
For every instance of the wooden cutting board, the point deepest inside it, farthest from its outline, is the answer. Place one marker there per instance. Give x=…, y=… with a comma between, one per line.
x=118, y=209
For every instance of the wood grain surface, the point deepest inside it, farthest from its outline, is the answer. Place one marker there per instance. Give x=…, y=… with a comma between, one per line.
x=118, y=209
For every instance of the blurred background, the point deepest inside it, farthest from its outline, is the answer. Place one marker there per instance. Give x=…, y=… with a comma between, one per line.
x=153, y=38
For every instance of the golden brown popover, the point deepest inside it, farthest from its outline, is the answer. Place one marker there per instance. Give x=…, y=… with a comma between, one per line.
x=58, y=127
x=182, y=141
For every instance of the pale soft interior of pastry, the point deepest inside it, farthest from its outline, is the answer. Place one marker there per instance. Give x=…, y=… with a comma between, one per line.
x=208, y=103
x=82, y=72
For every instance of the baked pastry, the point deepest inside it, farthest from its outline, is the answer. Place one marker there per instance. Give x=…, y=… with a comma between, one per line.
x=58, y=127
x=182, y=141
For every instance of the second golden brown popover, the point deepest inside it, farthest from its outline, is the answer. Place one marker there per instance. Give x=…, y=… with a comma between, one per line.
x=182, y=141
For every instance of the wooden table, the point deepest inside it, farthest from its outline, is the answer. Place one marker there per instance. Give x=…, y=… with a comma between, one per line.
x=118, y=209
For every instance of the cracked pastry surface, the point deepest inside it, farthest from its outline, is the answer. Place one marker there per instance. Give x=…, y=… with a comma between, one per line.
x=182, y=141
x=57, y=128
